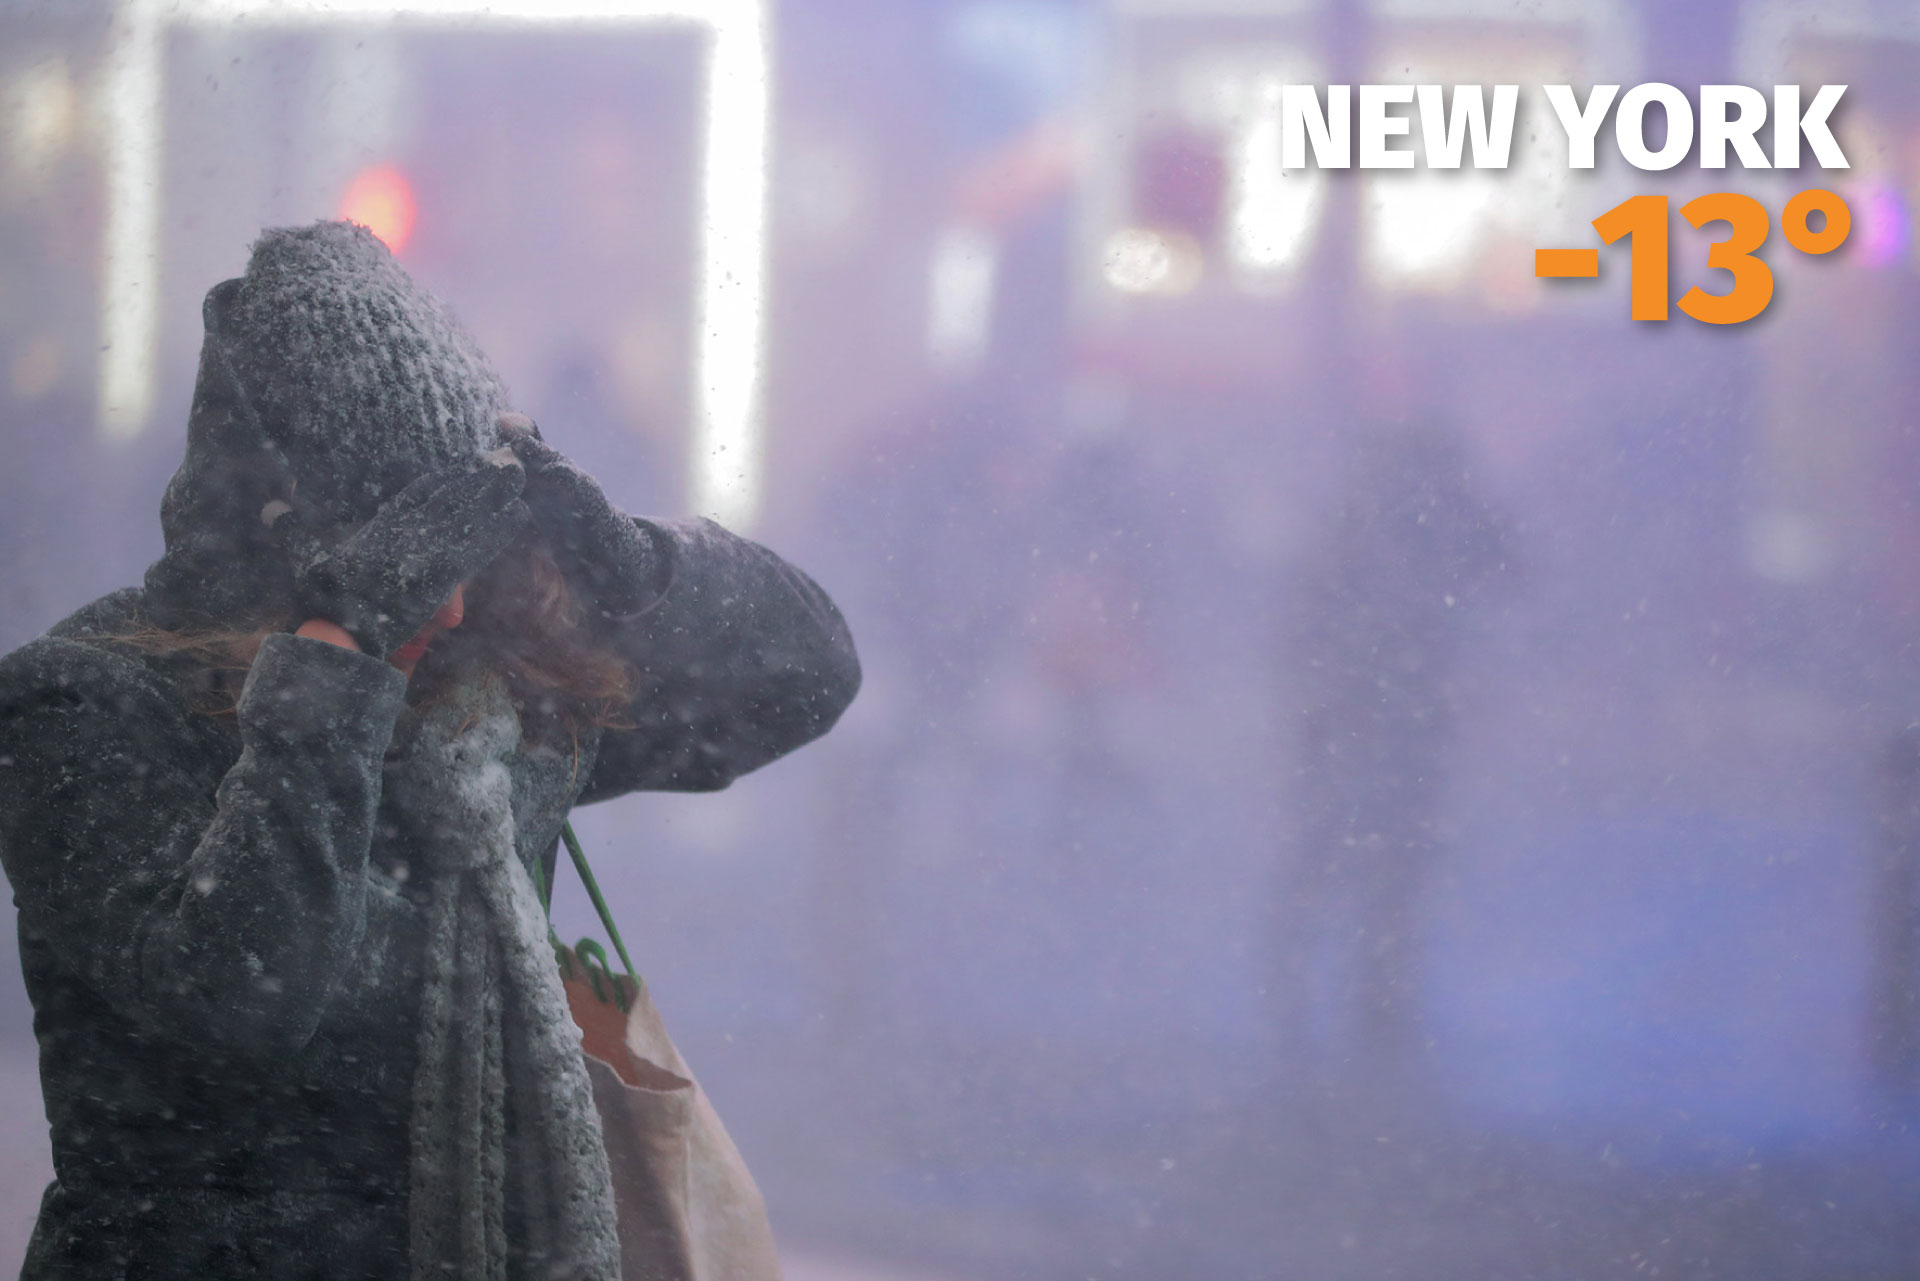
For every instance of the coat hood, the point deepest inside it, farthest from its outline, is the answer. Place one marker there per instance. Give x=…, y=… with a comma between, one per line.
x=328, y=380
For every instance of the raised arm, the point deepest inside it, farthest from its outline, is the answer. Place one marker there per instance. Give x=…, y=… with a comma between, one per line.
x=228, y=908
x=232, y=907
x=742, y=658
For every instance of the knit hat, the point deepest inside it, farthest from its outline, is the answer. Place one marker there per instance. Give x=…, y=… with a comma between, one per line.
x=328, y=380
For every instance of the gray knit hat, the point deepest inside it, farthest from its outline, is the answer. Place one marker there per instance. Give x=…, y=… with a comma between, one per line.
x=328, y=379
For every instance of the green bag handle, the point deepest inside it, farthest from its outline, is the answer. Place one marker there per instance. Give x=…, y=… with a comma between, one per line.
x=591, y=956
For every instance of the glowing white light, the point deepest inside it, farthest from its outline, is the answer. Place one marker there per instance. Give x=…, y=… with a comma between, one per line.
x=730, y=302
x=1271, y=212
x=731, y=315
x=1426, y=226
x=1142, y=260
x=130, y=256
x=1137, y=260
x=960, y=288
x=1431, y=228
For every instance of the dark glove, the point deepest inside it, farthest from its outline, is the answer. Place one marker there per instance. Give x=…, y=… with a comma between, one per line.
x=385, y=580
x=617, y=559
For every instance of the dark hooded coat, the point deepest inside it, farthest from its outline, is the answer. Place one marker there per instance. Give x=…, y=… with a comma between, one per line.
x=220, y=921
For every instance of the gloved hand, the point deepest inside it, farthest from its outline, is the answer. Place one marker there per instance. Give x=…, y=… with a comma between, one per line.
x=614, y=557
x=384, y=581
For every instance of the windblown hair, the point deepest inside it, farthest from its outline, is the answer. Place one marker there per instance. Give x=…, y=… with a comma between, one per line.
x=523, y=622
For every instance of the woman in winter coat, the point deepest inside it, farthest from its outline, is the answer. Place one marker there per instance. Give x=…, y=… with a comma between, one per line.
x=272, y=820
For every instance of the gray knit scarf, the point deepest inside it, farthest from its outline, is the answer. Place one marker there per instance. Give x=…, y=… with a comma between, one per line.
x=494, y=1022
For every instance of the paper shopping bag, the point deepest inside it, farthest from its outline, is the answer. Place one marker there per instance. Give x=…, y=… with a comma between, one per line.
x=688, y=1209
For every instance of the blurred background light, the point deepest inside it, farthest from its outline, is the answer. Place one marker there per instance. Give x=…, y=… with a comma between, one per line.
x=726, y=450
x=1883, y=224
x=960, y=290
x=381, y=200
x=1425, y=226
x=1271, y=212
x=1438, y=230
x=1146, y=260
x=37, y=116
x=130, y=250
x=1033, y=49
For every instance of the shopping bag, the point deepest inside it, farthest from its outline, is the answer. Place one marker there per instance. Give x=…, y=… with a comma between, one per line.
x=687, y=1206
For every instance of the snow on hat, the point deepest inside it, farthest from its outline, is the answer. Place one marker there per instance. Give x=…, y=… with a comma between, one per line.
x=329, y=377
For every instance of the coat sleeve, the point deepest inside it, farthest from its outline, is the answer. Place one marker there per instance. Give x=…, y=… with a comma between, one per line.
x=742, y=659
x=226, y=910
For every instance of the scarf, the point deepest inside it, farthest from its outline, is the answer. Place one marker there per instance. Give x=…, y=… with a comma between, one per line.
x=495, y=1032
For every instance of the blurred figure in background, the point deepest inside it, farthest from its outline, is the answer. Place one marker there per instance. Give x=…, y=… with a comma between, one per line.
x=1414, y=550
x=1091, y=654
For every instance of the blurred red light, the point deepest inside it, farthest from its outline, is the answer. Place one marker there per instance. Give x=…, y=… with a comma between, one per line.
x=381, y=200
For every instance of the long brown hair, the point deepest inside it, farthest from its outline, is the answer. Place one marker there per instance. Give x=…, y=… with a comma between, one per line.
x=523, y=622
